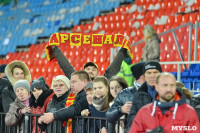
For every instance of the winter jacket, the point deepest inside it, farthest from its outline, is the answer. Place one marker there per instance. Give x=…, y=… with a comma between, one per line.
x=3, y=84
x=169, y=115
x=40, y=106
x=195, y=103
x=8, y=95
x=55, y=104
x=95, y=127
x=80, y=103
x=151, y=50
x=114, y=113
x=13, y=118
x=140, y=98
x=68, y=69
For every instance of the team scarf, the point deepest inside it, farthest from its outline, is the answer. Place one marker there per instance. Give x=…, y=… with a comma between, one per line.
x=95, y=40
x=70, y=100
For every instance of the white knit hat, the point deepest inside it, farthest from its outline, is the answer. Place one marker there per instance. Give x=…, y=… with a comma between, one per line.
x=63, y=78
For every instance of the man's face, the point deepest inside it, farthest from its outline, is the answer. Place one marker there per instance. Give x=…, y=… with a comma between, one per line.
x=76, y=84
x=166, y=88
x=92, y=71
x=150, y=76
x=60, y=88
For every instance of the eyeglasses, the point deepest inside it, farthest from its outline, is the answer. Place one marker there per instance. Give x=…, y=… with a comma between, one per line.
x=58, y=85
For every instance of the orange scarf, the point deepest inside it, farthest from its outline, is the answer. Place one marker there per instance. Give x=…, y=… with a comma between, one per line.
x=70, y=100
x=78, y=39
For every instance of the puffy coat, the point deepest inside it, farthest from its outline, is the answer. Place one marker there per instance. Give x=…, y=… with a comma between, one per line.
x=8, y=95
x=3, y=84
x=177, y=114
x=151, y=50
x=40, y=106
x=114, y=113
x=14, y=119
x=68, y=69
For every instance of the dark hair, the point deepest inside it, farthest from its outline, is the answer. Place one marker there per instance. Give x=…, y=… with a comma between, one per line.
x=120, y=80
x=82, y=75
x=104, y=80
x=16, y=66
x=90, y=64
x=185, y=91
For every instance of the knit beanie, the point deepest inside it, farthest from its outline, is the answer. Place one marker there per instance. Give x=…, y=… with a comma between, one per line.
x=22, y=83
x=39, y=84
x=63, y=78
x=2, y=68
x=137, y=70
x=152, y=65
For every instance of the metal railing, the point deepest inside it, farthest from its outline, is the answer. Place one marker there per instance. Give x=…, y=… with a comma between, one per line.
x=82, y=125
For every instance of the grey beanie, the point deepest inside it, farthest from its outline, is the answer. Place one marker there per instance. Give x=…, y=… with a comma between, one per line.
x=22, y=83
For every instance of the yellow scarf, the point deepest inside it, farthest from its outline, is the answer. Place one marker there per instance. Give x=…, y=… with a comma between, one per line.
x=70, y=100
x=78, y=39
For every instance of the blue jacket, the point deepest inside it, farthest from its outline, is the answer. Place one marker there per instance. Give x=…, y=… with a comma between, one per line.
x=114, y=113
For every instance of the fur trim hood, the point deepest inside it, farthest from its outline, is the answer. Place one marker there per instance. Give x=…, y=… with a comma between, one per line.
x=9, y=74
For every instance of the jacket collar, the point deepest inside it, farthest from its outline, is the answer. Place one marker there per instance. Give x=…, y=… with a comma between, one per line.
x=58, y=99
x=41, y=99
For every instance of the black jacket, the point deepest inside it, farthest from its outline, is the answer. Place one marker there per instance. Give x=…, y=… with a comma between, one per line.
x=80, y=103
x=8, y=95
x=3, y=84
x=114, y=113
x=68, y=69
x=55, y=104
x=141, y=98
x=195, y=103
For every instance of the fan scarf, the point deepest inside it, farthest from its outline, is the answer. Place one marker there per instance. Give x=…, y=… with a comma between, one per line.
x=78, y=39
x=70, y=100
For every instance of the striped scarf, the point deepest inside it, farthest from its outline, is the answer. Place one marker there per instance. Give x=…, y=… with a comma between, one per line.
x=70, y=100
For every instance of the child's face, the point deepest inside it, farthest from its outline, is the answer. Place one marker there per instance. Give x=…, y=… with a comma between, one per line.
x=89, y=96
x=21, y=93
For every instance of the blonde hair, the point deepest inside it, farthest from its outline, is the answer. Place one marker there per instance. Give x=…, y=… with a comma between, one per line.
x=148, y=33
x=185, y=91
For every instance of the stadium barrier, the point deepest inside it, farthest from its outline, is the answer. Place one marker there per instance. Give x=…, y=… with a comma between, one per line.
x=81, y=126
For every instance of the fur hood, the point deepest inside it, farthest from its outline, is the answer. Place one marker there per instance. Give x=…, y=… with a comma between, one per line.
x=9, y=67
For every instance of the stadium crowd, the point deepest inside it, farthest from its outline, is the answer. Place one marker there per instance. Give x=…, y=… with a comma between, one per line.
x=155, y=101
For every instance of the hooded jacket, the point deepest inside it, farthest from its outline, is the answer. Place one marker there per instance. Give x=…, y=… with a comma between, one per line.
x=176, y=116
x=8, y=94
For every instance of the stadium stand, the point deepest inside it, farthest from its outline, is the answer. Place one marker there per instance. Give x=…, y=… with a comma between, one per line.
x=29, y=20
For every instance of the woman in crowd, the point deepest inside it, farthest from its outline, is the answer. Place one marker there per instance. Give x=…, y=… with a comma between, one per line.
x=15, y=115
x=100, y=103
x=117, y=84
x=151, y=49
x=185, y=91
x=15, y=71
x=40, y=97
x=60, y=86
